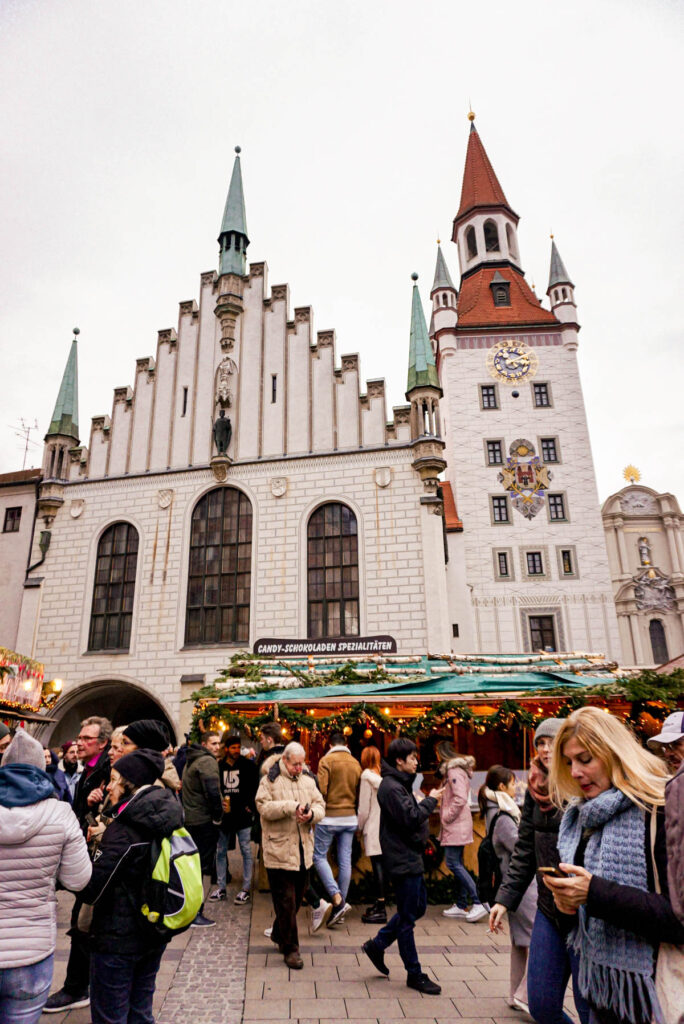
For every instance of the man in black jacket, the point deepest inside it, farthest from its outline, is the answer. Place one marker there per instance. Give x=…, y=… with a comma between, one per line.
x=93, y=753
x=239, y=783
x=403, y=832
x=201, y=795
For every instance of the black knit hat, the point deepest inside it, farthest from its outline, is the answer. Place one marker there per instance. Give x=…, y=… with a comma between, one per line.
x=148, y=733
x=142, y=767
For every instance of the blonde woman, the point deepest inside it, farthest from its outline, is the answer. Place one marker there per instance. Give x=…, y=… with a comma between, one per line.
x=611, y=787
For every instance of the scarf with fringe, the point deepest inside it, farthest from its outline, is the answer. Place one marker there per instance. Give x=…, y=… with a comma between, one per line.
x=616, y=970
x=538, y=784
x=504, y=802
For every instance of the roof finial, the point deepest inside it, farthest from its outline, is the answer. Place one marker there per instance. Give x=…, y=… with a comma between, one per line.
x=631, y=474
x=414, y=276
x=439, y=241
x=471, y=113
x=551, y=235
x=238, y=149
x=77, y=331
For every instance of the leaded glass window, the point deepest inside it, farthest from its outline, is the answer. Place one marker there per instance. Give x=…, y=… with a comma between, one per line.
x=112, y=612
x=333, y=572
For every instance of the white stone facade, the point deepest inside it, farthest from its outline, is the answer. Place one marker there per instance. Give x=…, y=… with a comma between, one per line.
x=645, y=540
x=17, y=510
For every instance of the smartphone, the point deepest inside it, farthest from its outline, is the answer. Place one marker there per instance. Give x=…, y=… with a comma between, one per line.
x=553, y=872
x=306, y=809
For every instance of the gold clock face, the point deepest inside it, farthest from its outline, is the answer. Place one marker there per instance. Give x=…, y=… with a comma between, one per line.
x=511, y=361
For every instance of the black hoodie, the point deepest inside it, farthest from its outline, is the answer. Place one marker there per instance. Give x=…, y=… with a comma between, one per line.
x=120, y=867
x=403, y=822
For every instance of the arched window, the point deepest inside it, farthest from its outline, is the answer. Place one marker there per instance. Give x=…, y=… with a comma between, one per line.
x=471, y=243
x=112, y=611
x=565, y=293
x=510, y=238
x=491, y=236
x=333, y=572
x=220, y=573
x=656, y=632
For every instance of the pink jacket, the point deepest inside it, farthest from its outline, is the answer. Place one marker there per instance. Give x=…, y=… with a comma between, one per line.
x=457, y=821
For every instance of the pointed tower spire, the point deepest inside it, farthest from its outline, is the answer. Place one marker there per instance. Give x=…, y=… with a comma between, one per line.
x=557, y=272
x=233, y=238
x=65, y=417
x=442, y=275
x=422, y=369
x=480, y=184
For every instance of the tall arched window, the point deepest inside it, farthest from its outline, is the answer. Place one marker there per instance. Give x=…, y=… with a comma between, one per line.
x=491, y=236
x=658, y=642
x=220, y=574
x=333, y=572
x=112, y=611
x=510, y=238
x=471, y=243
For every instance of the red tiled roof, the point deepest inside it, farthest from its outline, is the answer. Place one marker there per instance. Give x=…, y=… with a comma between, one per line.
x=480, y=184
x=21, y=476
x=451, y=520
x=476, y=303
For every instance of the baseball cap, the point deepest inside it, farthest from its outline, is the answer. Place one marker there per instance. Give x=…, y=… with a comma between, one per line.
x=673, y=730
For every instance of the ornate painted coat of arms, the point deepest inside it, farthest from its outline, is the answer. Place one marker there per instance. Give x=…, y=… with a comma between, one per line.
x=526, y=478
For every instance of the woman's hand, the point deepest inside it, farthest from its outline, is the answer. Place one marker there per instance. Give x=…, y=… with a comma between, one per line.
x=96, y=797
x=496, y=916
x=569, y=893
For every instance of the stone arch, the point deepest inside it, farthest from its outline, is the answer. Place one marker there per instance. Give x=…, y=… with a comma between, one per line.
x=120, y=700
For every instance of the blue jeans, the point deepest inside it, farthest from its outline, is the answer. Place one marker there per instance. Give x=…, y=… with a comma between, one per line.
x=245, y=843
x=122, y=987
x=24, y=991
x=411, y=905
x=466, y=889
x=549, y=967
x=323, y=838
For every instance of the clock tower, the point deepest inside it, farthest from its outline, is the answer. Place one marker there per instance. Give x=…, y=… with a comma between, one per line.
x=529, y=571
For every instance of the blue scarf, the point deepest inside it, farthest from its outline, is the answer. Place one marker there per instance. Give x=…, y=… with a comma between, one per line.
x=616, y=967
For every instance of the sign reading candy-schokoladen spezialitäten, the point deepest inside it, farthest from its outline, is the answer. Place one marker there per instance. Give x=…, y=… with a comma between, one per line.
x=335, y=645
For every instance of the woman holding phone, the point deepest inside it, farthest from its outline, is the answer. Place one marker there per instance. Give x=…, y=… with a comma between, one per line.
x=550, y=962
x=612, y=846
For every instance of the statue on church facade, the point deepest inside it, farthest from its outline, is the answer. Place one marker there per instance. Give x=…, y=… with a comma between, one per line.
x=223, y=431
x=644, y=551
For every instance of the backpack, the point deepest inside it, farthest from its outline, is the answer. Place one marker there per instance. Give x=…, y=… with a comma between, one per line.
x=488, y=865
x=173, y=893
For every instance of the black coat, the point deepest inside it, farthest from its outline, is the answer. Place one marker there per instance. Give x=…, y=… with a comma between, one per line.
x=120, y=868
x=537, y=847
x=403, y=822
x=240, y=782
x=99, y=776
x=648, y=914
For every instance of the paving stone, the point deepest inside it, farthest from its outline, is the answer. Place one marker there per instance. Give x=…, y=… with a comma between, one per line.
x=387, y=1007
x=322, y=1008
x=266, y=1009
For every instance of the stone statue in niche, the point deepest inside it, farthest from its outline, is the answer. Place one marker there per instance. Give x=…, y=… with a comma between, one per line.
x=223, y=431
x=223, y=382
x=644, y=551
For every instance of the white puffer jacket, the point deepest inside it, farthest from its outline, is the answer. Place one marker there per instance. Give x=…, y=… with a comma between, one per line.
x=369, y=812
x=38, y=843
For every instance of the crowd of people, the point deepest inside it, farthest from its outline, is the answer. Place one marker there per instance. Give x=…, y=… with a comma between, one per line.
x=589, y=863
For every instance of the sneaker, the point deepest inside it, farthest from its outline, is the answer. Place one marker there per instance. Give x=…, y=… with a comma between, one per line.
x=268, y=932
x=60, y=1001
x=421, y=983
x=338, y=914
x=376, y=957
x=202, y=922
x=217, y=894
x=375, y=914
x=320, y=915
x=242, y=897
x=476, y=912
x=518, y=1004
x=455, y=911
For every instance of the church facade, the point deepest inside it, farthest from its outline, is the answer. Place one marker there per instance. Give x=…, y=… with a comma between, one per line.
x=249, y=487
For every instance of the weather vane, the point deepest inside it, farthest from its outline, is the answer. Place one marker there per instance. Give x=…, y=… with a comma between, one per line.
x=631, y=474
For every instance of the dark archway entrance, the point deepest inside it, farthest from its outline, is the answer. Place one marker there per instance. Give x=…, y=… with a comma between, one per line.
x=119, y=701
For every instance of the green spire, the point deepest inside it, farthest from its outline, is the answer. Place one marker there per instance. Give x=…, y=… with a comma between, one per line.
x=422, y=369
x=442, y=276
x=65, y=417
x=233, y=237
x=557, y=272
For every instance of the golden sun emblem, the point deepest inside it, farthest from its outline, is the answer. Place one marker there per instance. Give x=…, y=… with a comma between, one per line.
x=631, y=474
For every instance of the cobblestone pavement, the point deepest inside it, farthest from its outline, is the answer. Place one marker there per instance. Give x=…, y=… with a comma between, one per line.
x=339, y=984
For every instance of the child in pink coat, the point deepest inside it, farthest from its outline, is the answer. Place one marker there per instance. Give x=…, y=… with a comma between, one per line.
x=456, y=832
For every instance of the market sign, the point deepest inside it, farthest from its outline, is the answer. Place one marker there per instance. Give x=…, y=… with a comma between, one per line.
x=340, y=645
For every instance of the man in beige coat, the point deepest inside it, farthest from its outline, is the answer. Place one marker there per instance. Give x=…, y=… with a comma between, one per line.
x=290, y=804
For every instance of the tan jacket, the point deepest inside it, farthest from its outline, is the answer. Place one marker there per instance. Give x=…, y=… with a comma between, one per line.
x=338, y=776
x=277, y=799
x=369, y=812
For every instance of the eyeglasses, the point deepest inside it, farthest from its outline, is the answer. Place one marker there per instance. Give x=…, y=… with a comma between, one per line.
x=89, y=739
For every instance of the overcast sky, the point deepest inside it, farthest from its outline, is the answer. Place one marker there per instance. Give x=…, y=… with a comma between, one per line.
x=119, y=120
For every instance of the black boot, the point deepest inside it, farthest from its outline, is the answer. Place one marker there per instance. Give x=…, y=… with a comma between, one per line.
x=375, y=914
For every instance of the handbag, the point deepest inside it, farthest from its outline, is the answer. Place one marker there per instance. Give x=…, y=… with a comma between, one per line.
x=669, y=977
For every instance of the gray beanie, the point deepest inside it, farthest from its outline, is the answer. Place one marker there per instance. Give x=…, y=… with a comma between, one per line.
x=24, y=750
x=549, y=727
